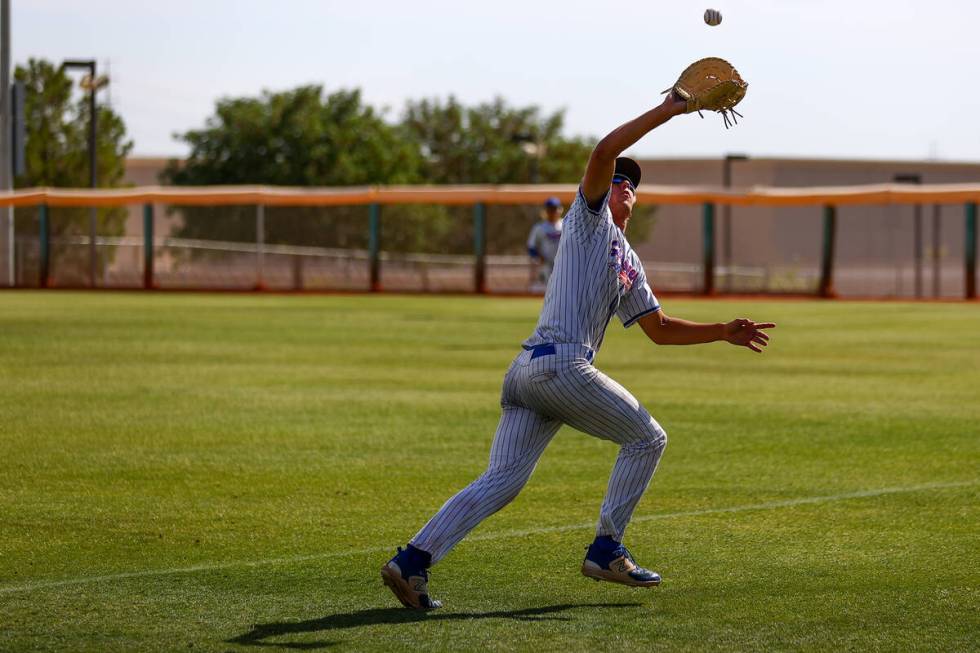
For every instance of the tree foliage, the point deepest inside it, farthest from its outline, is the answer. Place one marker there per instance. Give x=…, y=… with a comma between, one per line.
x=296, y=138
x=493, y=143
x=292, y=138
x=56, y=154
x=303, y=137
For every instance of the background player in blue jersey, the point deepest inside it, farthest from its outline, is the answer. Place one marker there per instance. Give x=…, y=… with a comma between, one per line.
x=542, y=242
x=554, y=381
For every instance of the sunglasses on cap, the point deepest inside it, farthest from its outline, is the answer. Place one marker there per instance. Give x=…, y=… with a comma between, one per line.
x=618, y=179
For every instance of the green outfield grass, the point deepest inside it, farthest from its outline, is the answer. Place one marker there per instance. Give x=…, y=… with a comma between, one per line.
x=221, y=472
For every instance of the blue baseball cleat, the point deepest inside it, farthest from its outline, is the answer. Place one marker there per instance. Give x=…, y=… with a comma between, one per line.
x=609, y=560
x=407, y=578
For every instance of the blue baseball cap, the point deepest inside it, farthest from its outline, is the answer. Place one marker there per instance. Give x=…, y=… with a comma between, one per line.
x=552, y=203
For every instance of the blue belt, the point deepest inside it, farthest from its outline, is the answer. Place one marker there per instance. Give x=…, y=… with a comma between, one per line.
x=548, y=349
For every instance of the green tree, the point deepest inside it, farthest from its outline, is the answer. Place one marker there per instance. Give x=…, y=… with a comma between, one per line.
x=490, y=143
x=296, y=137
x=494, y=143
x=304, y=138
x=292, y=138
x=56, y=154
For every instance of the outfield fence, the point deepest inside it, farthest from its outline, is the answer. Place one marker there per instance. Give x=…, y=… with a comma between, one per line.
x=883, y=240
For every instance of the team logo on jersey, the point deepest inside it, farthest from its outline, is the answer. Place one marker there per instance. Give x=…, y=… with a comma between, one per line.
x=619, y=264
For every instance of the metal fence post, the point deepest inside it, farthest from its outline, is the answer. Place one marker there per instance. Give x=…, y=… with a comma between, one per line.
x=917, y=248
x=936, y=247
x=44, y=242
x=480, y=246
x=827, y=261
x=971, y=250
x=148, y=246
x=708, y=232
x=374, y=247
x=297, y=272
x=93, y=256
x=6, y=176
x=259, y=246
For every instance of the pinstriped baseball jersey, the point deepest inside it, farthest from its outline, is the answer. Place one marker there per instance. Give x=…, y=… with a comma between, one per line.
x=597, y=275
x=552, y=382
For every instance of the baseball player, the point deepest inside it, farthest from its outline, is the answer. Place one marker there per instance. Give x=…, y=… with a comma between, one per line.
x=542, y=242
x=554, y=381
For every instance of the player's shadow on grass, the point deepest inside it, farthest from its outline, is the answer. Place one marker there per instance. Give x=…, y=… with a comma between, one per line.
x=262, y=632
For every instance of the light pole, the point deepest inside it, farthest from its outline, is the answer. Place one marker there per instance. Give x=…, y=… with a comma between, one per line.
x=6, y=176
x=726, y=222
x=91, y=83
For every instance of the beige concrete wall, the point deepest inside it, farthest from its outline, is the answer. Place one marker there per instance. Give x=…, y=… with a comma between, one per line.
x=879, y=237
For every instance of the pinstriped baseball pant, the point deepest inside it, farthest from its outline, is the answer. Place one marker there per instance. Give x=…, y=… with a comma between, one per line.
x=540, y=393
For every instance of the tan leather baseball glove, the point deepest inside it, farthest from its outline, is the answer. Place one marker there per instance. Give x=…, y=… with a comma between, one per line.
x=711, y=84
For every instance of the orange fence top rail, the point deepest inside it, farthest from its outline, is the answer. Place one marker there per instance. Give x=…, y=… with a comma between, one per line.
x=510, y=194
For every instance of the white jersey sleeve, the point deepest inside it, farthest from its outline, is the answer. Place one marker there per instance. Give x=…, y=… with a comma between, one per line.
x=587, y=221
x=639, y=300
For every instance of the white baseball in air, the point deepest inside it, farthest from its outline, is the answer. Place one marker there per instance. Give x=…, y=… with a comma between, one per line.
x=712, y=17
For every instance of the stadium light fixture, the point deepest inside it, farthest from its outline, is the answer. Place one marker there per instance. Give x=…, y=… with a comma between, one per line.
x=91, y=83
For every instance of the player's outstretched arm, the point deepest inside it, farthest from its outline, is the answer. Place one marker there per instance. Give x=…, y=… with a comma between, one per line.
x=665, y=330
x=602, y=163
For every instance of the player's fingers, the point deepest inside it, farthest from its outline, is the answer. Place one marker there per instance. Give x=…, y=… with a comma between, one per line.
x=754, y=347
x=761, y=334
x=765, y=325
x=762, y=342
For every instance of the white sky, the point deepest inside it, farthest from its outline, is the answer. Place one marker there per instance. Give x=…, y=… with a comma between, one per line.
x=855, y=79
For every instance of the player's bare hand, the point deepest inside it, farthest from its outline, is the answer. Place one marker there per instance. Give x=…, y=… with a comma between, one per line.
x=746, y=333
x=675, y=103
